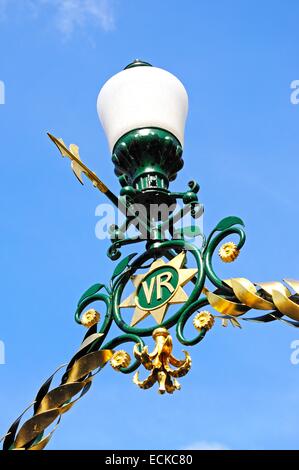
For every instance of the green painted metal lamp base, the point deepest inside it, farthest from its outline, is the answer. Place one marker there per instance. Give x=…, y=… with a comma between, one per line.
x=146, y=160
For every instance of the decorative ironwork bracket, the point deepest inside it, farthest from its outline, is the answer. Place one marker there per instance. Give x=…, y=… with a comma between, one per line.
x=170, y=264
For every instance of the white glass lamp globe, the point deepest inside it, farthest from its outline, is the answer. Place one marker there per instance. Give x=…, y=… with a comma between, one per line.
x=142, y=96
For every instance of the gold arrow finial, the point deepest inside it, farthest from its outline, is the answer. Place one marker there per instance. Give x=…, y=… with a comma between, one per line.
x=77, y=165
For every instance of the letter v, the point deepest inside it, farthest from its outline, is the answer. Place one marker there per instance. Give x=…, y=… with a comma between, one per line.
x=148, y=290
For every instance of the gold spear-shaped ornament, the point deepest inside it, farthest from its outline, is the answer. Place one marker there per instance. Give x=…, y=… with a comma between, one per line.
x=80, y=168
x=77, y=165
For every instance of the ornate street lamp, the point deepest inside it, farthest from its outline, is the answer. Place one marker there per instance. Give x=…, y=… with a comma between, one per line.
x=143, y=111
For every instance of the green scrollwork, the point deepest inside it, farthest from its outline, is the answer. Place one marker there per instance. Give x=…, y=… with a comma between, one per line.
x=155, y=250
x=212, y=243
x=188, y=312
x=86, y=302
x=112, y=344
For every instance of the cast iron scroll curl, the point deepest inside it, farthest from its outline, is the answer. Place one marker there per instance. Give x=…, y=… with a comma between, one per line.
x=114, y=252
x=105, y=327
x=185, y=316
x=155, y=250
x=212, y=243
x=112, y=344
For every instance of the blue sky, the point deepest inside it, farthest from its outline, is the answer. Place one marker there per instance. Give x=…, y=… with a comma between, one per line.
x=237, y=61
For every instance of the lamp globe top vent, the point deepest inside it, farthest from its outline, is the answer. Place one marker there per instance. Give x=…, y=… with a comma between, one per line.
x=137, y=63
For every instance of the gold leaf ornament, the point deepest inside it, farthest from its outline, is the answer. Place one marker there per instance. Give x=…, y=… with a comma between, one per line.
x=203, y=319
x=120, y=359
x=159, y=364
x=228, y=252
x=90, y=317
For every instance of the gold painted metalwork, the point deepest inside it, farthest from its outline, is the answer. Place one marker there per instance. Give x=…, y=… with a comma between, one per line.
x=90, y=317
x=246, y=292
x=284, y=304
x=233, y=321
x=120, y=359
x=269, y=296
x=269, y=287
x=59, y=400
x=293, y=284
x=224, y=306
x=228, y=252
x=203, y=319
x=77, y=165
x=179, y=295
x=159, y=361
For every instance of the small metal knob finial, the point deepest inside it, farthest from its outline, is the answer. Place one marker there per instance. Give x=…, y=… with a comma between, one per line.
x=137, y=63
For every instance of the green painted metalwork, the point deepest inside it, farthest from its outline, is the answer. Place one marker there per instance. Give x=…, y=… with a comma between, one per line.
x=147, y=159
x=189, y=311
x=129, y=265
x=156, y=249
x=97, y=338
x=212, y=243
x=169, y=278
x=112, y=344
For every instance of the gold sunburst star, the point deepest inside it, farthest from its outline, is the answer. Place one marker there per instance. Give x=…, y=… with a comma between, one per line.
x=160, y=287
